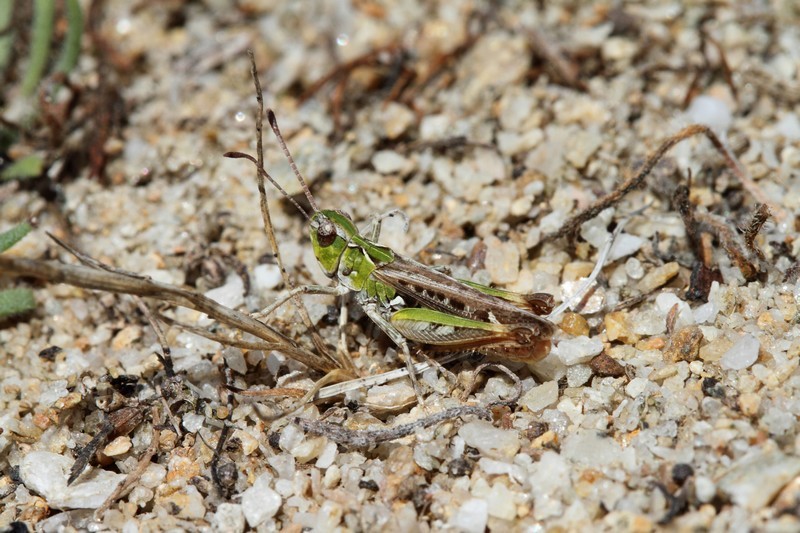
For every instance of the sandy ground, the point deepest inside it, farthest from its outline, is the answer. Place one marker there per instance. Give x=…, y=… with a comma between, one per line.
x=669, y=398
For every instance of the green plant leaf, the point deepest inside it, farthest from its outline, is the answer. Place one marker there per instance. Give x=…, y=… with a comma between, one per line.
x=72, y=42
x=43, y=14
x=6, y=41
x=13, y=236
x=16, y=301
x=30, y=166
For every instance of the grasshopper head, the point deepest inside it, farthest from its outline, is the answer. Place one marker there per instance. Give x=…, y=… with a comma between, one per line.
x=331, y=230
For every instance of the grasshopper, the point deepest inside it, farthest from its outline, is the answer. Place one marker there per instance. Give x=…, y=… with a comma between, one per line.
x=409, y=301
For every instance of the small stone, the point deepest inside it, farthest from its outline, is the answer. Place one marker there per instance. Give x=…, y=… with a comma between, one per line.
x=118, y=446
x=471, y=517
x=231, y=294
x=540, y=397
x=332, y=477
x=619, y=49
x=260, y=502
x=633, y=268
x=624, y=245
x=685, y=344
x=67, y=402
x=395, y=119
x=389, y=162
x=502, y=260
x=712, y=112
x=309, y=449
x=235, y=360
x=636, y=387
x=490, y=440
x=126, y=336
x=192, y=422
x=329, y=516
x=754, y=480
x=500, y=502
x=53, y=392
x=578, y=350
x=46, y=473
x=749, y=402
x=327, y=456
x=189, y=501
x=229, y=518
x=266, y=277
x=391, y=396
x=578, y=375
x=658, y=277
x=715, y=349
x=742, y=354
x=606, y=366
x=618, y=327
x=248, y=442
x=577, y=270
x=704, y=488
x=574, y=324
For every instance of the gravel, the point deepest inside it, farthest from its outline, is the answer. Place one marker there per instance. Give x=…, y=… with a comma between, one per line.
x=489, y=127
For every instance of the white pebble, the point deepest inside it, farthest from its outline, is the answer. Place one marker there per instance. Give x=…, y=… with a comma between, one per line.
x=291, y=436
x=704, y=489
x=636, y=387
x=624, y=245
x=389, y=162
x=328, y=517
x=328, y=455
x=591, y=448
x=754, y=480
x=540, y=397
x=46, y=474
x=52, y=392
x=500, y=502
x=496, y=468
x=471, y=517
x=229, y=517
x=742, y=354
x=789, y=127
x=192, y=422
x=266, y=277
x=578, y=375
x=392, y=395
x=309, y=449
x=434, y=127
x=633, y=268
x=502, y=260
x=578, y=350
x=710, y=111
x=231, y=294
x=234, y=358
x=490, y=440
x=260, y=502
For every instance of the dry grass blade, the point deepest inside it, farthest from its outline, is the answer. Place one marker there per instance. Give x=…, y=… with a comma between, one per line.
x=572, y=225
x=112, y=281
x=365, y=438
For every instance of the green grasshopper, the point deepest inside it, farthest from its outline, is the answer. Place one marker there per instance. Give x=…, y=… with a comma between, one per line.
x=436, y=311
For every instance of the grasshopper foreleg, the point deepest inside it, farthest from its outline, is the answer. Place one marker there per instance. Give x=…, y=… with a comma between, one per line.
x=377, y=221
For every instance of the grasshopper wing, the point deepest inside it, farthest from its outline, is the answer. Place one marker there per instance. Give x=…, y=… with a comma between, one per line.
x=444, y=331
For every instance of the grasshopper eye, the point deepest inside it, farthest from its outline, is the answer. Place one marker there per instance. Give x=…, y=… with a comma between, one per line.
x=326, y=233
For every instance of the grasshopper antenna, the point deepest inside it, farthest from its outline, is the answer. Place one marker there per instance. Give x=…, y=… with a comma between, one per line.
x=264, y=174
x=273, y=122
